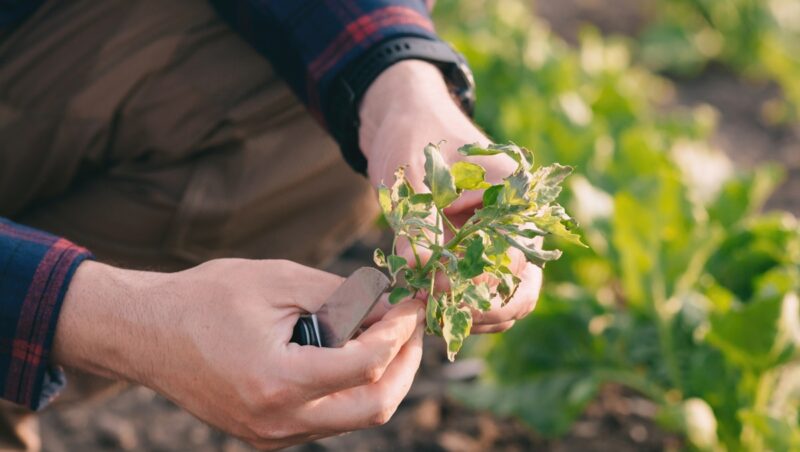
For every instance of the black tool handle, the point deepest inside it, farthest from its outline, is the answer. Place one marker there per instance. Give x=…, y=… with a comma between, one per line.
x=306, y=333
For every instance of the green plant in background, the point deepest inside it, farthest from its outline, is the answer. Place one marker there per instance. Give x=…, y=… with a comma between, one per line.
x=686, y=294
x=514, y=212
x=760, y=38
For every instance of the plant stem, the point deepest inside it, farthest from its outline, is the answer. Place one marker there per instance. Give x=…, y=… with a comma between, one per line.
x=461, y=235
x=433, y=279
x=447, y=221
x=412, y=242
x=439, y=226
x=664, y=322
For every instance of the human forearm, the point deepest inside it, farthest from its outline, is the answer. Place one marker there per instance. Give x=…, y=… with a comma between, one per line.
x=111, y=323
x=215, y=340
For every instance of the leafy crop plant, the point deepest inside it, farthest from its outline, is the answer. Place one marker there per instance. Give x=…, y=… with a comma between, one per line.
x=688, y=296
x=514, y=213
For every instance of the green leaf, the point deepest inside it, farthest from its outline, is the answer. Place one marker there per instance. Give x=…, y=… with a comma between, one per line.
x=560, y=231
x=490, y=195
x=379, y=258
x=398, y=294
x=547, y=368
x=533, y=254
x=547, y=183
x=417, y=279
x=515, y=190
x=451, y=259
x=417, y=211
x=422, y=224
x=555, y=225
x=496, y=251
x=744, y=195
x=777, y=433
x=474, y=261
x=508, y=283
x=767, y=343
x=548, y=403
x=753, y=249
x=528, y=232
x=438, y=178
x=659, y=240
x=457, y=323
x=478, y=296
x=523, y=157
x=400, y=189
x=473, y=149
x=421, y=198
x=469, y=176
x=433, y=314
x=396, y=263
x=385, y=199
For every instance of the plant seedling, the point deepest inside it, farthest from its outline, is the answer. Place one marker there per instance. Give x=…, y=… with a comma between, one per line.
x=514, y=212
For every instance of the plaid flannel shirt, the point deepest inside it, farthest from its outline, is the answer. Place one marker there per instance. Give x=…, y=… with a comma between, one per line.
x=308, y=41
x=35, y=269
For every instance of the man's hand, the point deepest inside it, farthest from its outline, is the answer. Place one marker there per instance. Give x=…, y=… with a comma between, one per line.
x=215, y=339
x=404, y=109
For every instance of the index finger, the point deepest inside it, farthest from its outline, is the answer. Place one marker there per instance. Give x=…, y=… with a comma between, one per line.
x=373, y=404
x=321, y=371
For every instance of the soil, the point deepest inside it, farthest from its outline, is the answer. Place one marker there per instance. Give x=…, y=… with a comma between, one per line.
x=428, y=420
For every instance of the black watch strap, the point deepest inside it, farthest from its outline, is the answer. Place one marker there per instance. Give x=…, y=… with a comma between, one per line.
x=349, y=87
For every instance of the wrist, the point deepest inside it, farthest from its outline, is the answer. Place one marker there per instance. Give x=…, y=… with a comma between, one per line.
x=407, y=107
x=401, y=96
x=110, y=321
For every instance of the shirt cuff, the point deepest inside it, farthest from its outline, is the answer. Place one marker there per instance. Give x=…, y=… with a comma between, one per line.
x=35, y=271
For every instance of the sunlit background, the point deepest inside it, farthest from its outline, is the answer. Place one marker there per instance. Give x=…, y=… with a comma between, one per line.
x=679, y=327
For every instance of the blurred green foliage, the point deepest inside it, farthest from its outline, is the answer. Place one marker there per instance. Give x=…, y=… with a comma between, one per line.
x=760, y=38
x=687, y=295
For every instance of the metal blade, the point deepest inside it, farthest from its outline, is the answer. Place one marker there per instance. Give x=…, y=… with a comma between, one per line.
x=345, y=310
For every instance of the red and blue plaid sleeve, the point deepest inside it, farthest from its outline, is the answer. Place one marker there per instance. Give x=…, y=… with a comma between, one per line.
x=35, y=270
x=311, y=41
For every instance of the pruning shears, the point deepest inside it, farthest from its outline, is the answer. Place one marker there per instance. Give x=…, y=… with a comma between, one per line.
x=343, y=312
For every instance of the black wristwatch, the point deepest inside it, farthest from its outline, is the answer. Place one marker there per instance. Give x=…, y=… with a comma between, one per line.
x=348, y=88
